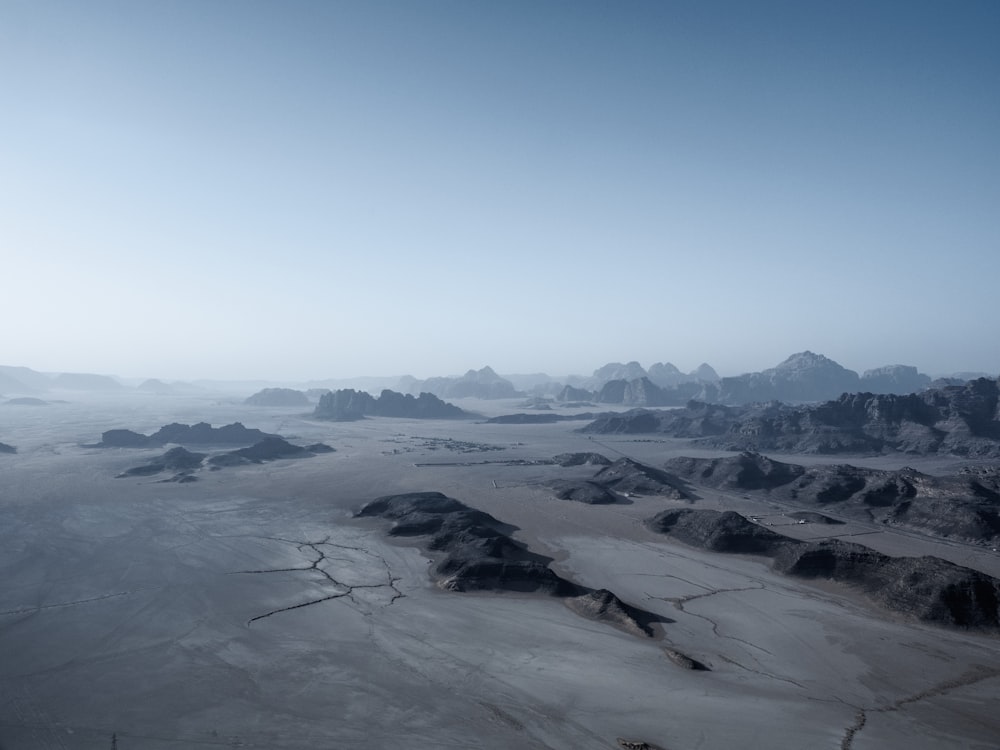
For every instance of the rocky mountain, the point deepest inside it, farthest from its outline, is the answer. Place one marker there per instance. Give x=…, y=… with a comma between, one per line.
x=196, y=434
x=156, y=387
x=269, y=449
x=185, y=463
x=615, y=481
x=176, y=459
x=22, y=380
x=4, y=448
x=960, y=420
x=570, y=393
x=894, y=379
x=926, y=588
x=800, y=378
x=278, y=397
x=666, y=374
x=348, y=404
x=643, y=392
x=484, y=383
x=82, y=381
x=705, y=373
x=964, y=507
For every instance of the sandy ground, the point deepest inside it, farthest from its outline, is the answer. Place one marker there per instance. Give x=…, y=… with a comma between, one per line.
x=249, y=609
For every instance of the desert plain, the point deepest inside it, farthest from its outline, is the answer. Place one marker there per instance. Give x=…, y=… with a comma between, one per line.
x=251, y=608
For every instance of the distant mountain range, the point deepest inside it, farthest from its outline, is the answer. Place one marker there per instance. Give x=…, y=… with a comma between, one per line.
x=951, y=419
x=802, y=378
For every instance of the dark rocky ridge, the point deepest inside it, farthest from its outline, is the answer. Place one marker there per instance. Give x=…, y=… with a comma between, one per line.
x=176, y=459
x=584, y=491
x=926, y=588
x=201, y=433
x=181, y=460
x=278, y=397
x=961, y=420
x=4, y=448
x=477, y=553
x=616, y=481
x=270, y=449
x=964, y=507
x=628, y=476
x=348, y=404
x=26, y=401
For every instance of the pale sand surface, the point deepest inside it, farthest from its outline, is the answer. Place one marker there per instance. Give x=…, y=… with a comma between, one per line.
x=128, y=606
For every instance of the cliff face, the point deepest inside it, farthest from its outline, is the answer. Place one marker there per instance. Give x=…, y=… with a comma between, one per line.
x=926, y=588
x=960, y=420
x=348, y=404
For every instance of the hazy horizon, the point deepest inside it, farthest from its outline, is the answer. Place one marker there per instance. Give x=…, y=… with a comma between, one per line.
x=313, y=190
x=251, y=378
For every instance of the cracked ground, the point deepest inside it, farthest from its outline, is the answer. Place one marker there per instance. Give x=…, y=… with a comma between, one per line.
x=250, y=609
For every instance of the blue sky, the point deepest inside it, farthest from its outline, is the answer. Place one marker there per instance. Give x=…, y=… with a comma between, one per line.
x=299, y=190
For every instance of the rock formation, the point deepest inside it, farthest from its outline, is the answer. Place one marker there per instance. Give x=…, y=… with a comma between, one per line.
x=176, y=459
x=803, y=377
x=616, y=481
x=278, y=397
x=584, y=491
x=926, y=588
x=569, y=393
x=156, y=387
x=961, y=420
x=22, y=380
x=964, y=507
x=631, y=477
x=4, y=448
x=77, y=381
x=348, y=404
x=475, y=552
x=484, y=383
x=894, y=379
x=269, y=449
x=196, y=434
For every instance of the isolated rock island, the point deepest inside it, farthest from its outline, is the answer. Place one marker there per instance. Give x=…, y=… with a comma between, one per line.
x=348, y=404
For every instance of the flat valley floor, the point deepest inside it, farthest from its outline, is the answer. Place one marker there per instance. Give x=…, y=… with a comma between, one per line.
x=251, y=609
